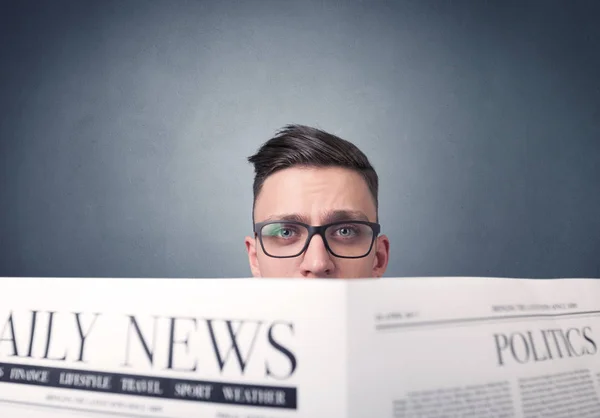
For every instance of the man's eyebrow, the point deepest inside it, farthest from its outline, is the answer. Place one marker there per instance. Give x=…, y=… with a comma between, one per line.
x=345, y=215
x=291, y=217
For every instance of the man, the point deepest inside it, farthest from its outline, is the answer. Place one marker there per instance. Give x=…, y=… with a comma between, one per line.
x=315, y=209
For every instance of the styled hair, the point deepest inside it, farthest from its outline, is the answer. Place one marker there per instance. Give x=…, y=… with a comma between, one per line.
x=299, y=145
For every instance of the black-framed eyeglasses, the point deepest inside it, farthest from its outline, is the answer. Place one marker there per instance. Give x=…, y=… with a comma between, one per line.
x=343, y=239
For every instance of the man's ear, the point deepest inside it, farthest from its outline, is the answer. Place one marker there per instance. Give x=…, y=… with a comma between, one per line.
x=252, y=258
x=382, y=256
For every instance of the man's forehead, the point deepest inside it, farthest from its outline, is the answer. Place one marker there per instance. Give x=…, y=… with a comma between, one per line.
x=302, y=194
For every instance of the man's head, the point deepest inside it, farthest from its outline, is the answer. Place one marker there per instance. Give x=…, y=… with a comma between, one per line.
x=308, y=178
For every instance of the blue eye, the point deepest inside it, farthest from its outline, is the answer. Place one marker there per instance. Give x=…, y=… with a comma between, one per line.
x=346, y=231
x=285, y=232
x=280, y=231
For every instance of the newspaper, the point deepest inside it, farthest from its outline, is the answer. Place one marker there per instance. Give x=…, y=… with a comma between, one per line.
x=278, y=348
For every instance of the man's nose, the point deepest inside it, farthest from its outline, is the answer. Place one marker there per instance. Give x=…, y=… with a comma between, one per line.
x=317, y=260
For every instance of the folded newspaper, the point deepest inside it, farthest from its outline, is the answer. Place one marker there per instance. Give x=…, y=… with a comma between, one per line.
x=278, y=348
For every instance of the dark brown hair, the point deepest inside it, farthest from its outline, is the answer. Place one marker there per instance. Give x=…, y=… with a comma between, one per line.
x=299, y=145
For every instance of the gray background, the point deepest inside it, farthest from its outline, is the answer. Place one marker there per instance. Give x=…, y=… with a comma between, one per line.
x=125, y=126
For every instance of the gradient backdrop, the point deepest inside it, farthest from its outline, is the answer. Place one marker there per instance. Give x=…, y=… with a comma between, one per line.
x=125, y=127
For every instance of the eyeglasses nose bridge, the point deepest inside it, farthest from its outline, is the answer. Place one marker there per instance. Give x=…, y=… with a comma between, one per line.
x=316, y=231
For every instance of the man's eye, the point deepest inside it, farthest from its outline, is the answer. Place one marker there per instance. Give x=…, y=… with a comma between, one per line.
x=283, y=231
x=286, y=232
x=346, y=231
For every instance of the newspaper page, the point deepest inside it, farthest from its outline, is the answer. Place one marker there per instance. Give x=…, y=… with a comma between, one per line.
x=216, y=348
x=398, y=348
x=474, y=347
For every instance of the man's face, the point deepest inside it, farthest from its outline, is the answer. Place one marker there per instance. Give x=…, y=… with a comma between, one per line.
x=316, y=196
